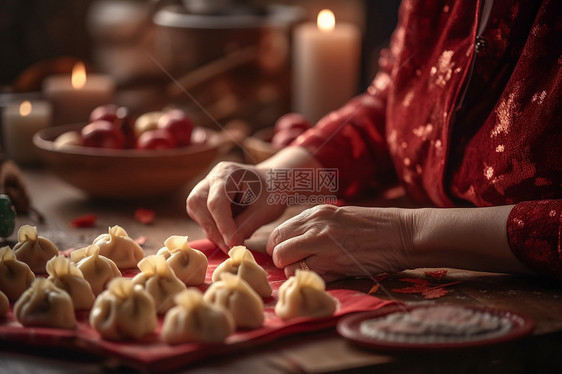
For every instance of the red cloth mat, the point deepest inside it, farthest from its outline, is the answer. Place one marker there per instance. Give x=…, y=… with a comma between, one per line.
x=152, y=354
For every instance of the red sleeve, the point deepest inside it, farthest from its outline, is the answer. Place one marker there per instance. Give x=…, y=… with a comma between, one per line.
x=352, y=139
x=534, y=229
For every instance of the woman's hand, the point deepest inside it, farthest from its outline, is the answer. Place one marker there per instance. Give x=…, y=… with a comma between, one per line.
x=231, y=203
x=353, y=241
x=339, y=242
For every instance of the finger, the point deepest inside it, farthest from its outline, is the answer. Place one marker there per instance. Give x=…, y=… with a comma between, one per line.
x=218, y=205
x=247, y=224
x=313, y=263
x=196, y=206
x=290, y=228
x=291, y=269
x=293, y=250
x=197, y=199
x=255, y=216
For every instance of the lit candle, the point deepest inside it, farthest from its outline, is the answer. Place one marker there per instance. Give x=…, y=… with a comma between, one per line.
x=19, y=122
x=325, y=65
x=75, y=96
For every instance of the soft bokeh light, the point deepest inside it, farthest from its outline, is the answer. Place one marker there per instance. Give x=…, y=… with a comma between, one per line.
x=78, y=75
x=25, y=108
x=326, y=20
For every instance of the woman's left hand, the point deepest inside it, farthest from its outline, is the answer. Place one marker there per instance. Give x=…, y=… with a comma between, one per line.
x=338, y=242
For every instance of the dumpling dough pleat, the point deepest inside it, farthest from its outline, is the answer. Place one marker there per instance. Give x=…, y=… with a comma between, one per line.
x=304, y=295
x=15, y=276
x=44, y=304
x=97, y=270
x=159, y=280
x=4, y=304
x=189, y=265
x=233, y=293
x=119, y=247
x=64, y=274
x=123, y=311
x=243, y=264
x=33, y=249
x=195, y=320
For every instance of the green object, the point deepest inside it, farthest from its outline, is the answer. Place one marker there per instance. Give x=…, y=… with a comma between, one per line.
x=7, y=216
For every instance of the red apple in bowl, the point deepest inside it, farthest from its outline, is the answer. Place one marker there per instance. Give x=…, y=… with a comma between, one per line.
x=106, y=112
x=156, y=139
x=178, y=124
x=126, y=123
x=102, y=134
x=291, y=121
x=285, y=137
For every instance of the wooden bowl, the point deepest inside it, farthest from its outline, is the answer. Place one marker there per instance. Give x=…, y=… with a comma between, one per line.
x=258, y=148
x=125, y=173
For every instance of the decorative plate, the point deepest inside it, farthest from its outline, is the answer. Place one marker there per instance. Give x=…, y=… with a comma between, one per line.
x=433, y=326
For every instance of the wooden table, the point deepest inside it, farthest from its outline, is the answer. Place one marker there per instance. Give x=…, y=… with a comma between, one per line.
x=324, y=351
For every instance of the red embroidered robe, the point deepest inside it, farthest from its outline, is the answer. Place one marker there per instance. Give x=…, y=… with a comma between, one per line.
x=465, y=110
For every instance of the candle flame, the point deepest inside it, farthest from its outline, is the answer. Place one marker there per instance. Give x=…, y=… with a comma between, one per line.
x=326, y=20
x=78, y=78
x=25, y=108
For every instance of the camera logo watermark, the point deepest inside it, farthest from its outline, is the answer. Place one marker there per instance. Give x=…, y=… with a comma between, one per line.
x=243, y=187
x=285, y=186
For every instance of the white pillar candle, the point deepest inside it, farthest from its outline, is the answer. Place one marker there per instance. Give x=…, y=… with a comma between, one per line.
x=74, y=96
x=20, y=121
x=326, y=61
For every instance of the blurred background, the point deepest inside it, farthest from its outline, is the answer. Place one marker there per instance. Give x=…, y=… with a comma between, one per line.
x=233, y=56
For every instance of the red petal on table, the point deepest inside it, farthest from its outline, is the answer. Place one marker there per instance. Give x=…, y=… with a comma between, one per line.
x=435, y=293
x=436, y=275
x=374, y=289
x=414, y=280
x=418, y=288
x=381, y=277
x=67, y=252
x=140, y=240
x=145, y=216
x=88, y=220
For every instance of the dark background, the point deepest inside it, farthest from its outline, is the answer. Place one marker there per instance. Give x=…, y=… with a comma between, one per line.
x=32, y=31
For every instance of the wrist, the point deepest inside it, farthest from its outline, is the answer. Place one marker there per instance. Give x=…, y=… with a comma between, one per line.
x=425, y=248
x=466, y=238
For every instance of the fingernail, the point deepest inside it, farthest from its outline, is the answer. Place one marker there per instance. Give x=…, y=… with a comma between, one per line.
x=224, y=247
x=230, y=240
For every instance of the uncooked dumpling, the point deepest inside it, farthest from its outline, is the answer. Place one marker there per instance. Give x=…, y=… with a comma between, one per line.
x=46, y=305
x=243, y=264
x=98, y=270
x=195, y=320
x=4, y=304
x=159, y=280
x=119, y=247
x=33, y=249
x=123, y=311
x=304, y=295
x=15, y=276
x=189, y=265
x=233, y=293
x=64, y=274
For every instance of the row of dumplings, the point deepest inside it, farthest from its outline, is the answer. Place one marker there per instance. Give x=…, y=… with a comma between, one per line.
x=123, y=308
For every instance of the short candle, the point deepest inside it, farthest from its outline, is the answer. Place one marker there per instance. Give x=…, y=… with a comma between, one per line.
x=20, y=121
x=326, y=60
x=75, y=96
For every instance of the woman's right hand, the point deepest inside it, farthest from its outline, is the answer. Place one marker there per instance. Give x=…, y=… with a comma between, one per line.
x=231, y=203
